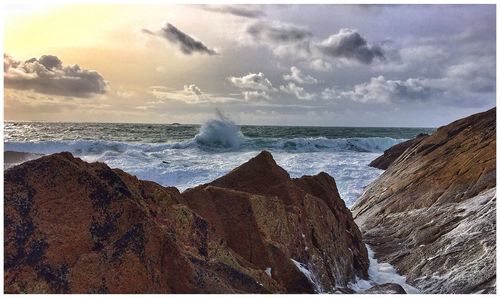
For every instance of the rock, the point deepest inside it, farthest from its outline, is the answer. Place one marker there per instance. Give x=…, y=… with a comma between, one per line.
x=272, y=219
x=77, y=227
x=431, y=214
x=74, y=227
x=390, y=155
x=388, y=288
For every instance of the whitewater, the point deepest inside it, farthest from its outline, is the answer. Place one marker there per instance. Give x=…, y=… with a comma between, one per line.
x=188, y=155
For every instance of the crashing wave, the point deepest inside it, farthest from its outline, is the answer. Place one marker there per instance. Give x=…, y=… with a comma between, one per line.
x=214, y=137
x=371, y=144
x=220, y=133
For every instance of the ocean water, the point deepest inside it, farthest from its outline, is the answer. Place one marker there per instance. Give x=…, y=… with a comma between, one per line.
x=187, y=155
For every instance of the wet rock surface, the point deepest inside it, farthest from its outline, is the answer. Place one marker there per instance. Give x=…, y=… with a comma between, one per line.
x=388, y=288
x=77, y=227
x=431, y=214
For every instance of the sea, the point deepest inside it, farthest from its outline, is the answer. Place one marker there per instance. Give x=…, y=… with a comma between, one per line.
x=184, y=156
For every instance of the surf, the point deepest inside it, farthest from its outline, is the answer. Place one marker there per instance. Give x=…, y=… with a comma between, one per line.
x=220, y=133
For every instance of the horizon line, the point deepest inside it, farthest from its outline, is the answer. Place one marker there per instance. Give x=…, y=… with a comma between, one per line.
x=199, y=124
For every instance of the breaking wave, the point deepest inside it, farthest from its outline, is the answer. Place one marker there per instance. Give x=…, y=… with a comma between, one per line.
x=219, y=133
x=209, y=140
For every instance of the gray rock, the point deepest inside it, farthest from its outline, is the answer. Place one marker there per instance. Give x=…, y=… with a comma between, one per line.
x=431, y=214
x=388, y=288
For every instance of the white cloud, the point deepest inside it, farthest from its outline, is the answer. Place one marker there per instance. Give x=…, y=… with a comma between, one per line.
x=190, y=94
x=381, y=90
x=193, y=89
x=299, y=92
x=256, y=95
x=253, y=81
x=298, y=76
x=329, y=94
x=320, y=65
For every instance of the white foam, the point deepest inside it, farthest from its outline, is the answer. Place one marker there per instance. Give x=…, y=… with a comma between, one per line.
x=220, y=133
x=310, y=276
x=191, y=165
x=269, y=271
x=381, y=273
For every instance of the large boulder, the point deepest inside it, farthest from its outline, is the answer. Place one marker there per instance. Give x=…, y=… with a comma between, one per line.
x=431, y=214
x=77, y=227
x=284, y=224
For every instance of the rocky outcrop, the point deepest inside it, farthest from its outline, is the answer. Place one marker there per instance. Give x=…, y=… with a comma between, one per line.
x=388, y=288
x=283, y=224
x=390, y=155
x=77, y=227
x=431, y=214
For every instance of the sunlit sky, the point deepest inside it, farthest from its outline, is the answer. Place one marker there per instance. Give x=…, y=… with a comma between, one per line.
x=331, y=65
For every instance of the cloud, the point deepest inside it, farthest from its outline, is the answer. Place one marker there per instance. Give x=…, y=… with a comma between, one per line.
x=298, y=76
x=415, y=58
x=256, y=95
x=190, y=94
x=49, y=76
x=253, y=81
x=299, y=92
x=329, y=94
x=381, y=90
x=49, y=61
x=298, y=43
x=187, y=44
x=320, y=65
x=277, y=32
x=192, y=89
x=472, y=76
x=246, y=11
x=349, y=44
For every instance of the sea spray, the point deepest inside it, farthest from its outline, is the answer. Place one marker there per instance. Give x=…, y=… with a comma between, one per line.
x=220, y=133
x=381, y=273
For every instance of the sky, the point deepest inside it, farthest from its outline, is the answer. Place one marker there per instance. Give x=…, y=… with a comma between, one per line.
x=326, y=65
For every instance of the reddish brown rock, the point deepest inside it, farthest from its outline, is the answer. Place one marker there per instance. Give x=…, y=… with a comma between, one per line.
x=77, y=227
x=390, y=155
x=260, y=210
x=431, y=214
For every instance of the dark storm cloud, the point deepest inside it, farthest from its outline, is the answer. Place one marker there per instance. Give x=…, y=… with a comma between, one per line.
x=186, y=43
x=246, y=11
x=50, y=61
x=348, y=43
x=48, y=75
x=278, y=32
x=299, y=41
